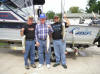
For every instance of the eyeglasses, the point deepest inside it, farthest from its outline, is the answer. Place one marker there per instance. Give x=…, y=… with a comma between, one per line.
x=56, y=18
x=42, y=19
x=64, y=17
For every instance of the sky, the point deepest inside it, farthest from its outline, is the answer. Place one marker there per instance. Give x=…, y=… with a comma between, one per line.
x=55, y=5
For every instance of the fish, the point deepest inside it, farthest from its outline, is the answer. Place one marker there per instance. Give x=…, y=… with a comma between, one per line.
x=23, y=42
x=48, y=42
x=63, y=30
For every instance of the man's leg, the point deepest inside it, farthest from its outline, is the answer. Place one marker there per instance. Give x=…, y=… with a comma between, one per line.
x=62, y=51
x=40, y=52
x=32, y=52
x=47, y=54
x=56, y=50
x=27, y=49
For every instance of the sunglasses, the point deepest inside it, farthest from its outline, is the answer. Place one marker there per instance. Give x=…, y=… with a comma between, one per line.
x=56, y=18
x=64, y=17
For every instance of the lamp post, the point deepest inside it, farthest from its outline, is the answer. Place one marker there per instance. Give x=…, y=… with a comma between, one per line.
x=62, y=9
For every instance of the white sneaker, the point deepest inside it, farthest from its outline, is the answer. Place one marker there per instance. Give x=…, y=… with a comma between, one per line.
x=48, y=66
x=40, y=65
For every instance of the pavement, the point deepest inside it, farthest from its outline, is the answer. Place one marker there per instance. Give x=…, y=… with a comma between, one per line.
x=88, y=62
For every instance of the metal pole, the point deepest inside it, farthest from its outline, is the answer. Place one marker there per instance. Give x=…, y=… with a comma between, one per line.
x=62, y=10
x=42, y=8
x=34, y=11
x=63, y=24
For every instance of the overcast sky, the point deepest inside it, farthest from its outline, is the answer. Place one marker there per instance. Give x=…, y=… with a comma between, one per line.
x=55, y=5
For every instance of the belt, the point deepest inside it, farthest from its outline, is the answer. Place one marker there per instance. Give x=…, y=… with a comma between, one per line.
x=29, y=39
x=57, y=38
x=42, y=39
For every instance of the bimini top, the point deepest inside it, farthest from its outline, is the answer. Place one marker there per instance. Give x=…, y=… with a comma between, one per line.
x=10, y=16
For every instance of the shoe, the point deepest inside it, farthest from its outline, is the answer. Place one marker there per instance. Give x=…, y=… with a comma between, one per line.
x=64, y=66
x=27, y=67
x=48, y=66
x=33, y=65
x=40, y=65
x=55, y=65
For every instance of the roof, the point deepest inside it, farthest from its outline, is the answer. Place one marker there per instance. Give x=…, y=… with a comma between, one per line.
x=84, y=15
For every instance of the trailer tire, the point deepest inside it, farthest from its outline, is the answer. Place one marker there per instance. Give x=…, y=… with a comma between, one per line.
x=53, y=58
x=36, y=55
x=98, y=43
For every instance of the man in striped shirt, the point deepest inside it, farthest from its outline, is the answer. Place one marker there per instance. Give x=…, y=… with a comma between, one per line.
x=41, y=32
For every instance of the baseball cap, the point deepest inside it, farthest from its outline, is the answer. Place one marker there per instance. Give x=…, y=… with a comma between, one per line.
x=42, y=16
x=30, y=17
x=56, y=16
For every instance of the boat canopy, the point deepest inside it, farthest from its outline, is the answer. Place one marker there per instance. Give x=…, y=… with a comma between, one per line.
x=22, y=3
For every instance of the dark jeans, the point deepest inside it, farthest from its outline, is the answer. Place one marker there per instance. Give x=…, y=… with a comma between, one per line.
x=29, y=49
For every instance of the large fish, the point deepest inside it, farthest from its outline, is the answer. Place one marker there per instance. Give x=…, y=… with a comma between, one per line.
x=63, y=30
x=48, y=39
x=23, y=42
x=48, y=42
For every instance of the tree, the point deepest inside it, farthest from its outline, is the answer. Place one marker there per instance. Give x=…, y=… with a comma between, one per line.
x=98, y=7
x=75, y=10
x=50, y=14
x=92, y=2
x=93, y=5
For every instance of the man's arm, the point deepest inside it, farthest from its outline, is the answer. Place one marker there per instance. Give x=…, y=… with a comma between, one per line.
x=36, y=36
x=50, y=29
x=50, y=35
x=66, y=21
x=22, y=32
x=36, y=33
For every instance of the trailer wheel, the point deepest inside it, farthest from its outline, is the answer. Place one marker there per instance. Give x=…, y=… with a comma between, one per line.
x=76, y=52
x=53, y=58
x=99, y=43
x=36, y=55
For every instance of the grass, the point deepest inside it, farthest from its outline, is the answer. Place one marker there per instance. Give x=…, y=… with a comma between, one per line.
x=3, y=44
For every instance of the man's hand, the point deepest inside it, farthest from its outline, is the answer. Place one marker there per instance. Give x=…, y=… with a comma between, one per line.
x=62, y=40
x=23, y=51
x=22, y=32
x=49, y=26
x=66, y=20
x=50, y=35
x=37, y=44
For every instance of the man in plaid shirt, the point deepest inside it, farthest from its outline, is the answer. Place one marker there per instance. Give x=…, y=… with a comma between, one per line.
x=41, y=32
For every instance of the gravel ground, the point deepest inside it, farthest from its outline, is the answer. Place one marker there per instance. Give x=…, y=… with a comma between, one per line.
x=88, y=62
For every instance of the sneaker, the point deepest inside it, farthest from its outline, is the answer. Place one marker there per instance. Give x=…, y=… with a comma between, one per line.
x=64, y=66
x=48, y=66
x=55, y=65
x=27, y=67
x=33, y=65
x=40, y=65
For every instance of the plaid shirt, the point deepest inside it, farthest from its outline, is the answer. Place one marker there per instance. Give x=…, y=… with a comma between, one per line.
x=41, y=31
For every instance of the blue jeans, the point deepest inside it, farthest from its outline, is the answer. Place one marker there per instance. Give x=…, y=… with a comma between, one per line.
x=41, y=50
x=59, y=49
x=29, y=49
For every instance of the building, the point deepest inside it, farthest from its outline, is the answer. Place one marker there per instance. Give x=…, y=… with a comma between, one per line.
x=80, y=18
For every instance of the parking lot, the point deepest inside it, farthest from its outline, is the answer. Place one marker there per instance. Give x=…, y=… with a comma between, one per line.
x=88, y=62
